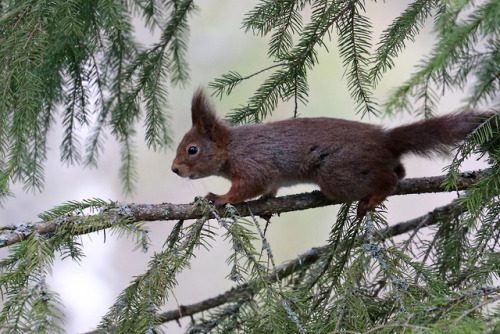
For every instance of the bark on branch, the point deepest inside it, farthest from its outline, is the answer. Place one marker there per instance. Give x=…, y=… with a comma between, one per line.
x=261, y=207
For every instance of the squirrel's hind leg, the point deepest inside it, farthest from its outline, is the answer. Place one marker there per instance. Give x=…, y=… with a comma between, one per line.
x=370, y=188
x=379, y=189
x=369, y=203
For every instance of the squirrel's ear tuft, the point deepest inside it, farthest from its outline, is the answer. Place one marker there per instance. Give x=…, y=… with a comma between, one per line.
x=202, y=112
x=200, y=106
x=204, y=118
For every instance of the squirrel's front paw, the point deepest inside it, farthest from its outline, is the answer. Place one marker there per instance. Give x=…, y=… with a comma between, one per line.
x=217, y=201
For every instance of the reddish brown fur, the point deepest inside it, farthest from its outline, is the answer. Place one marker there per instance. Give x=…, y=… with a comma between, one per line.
x=350, y=161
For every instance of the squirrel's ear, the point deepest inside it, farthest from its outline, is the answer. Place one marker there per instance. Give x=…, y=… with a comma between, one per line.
x=202, y=113
x=204, y=118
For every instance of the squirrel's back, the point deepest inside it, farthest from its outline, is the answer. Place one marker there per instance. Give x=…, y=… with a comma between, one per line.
x=296, y=146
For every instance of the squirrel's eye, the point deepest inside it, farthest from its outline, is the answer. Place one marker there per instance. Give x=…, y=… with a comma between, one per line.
x=192, y=150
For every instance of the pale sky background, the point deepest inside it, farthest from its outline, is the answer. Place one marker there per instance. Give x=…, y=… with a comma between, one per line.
x=217, y=45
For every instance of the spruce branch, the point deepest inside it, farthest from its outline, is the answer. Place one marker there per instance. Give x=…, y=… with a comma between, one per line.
x=244, y=292
x=260, y=207
x=452, y=62
x=392, y=42
x=68, y=54
x=290, y=81
x=354, y=44
x=226, y=84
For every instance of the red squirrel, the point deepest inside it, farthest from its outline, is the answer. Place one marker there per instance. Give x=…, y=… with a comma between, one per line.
x=349, y=160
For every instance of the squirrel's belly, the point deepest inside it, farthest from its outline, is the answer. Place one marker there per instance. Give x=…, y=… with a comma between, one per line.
x=283, y=183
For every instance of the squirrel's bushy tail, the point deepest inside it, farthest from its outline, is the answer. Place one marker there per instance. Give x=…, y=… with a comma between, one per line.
x=434, y=135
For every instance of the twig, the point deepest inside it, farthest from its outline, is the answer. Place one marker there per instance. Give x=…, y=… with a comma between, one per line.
x=265, y=245
x=31, y=35
x=375, y=329
x=262, y=71
x=478, y=306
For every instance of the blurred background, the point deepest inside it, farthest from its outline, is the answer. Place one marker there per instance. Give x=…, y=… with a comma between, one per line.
x=217, y=45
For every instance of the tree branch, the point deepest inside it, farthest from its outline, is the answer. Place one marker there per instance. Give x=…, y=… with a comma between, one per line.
x=260, y=207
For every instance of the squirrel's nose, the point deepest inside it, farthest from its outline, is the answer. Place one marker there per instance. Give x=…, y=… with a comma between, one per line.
x=175, y=170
